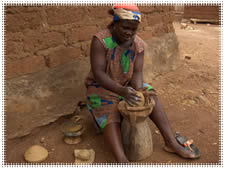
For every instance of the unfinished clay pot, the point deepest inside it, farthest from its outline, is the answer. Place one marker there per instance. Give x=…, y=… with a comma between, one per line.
x=136, y=133
x=142, y=100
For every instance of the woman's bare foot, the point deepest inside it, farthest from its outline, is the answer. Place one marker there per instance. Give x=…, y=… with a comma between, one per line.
x=180, y=150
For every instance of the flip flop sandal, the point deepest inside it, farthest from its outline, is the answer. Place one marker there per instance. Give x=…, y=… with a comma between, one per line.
x=188, y=144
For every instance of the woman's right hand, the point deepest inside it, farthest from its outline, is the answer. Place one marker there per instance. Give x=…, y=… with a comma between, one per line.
x=129, y=95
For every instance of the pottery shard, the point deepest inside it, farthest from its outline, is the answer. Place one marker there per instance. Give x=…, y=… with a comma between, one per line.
x=36, y=154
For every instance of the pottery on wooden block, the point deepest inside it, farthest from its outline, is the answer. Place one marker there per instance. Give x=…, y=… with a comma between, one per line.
x=136, y=133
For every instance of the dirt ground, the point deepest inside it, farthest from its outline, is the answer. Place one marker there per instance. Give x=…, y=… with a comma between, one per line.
x=190, y=95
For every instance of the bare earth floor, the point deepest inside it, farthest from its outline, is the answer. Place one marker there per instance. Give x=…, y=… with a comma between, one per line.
x=190, y=95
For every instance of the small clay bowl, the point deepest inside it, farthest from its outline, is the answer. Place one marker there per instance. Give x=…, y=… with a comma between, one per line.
x=69, y=128
x=72, y=140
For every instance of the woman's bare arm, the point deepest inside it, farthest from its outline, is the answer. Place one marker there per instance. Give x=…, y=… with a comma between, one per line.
x=137, y=78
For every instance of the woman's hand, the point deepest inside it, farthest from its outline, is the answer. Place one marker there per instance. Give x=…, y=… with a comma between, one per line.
x=129, y=95
x=148, y=94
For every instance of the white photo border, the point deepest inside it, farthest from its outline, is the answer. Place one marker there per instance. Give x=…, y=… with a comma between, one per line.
x=99, y=3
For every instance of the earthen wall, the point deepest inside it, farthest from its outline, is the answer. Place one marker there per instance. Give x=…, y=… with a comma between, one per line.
x=202, y=12
x=47, y=58
x=39, y=38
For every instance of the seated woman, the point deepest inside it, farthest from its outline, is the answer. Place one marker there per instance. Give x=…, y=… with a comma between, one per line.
x=117, y=56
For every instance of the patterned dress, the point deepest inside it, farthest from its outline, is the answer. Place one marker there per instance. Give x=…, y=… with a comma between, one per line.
x=103, y=103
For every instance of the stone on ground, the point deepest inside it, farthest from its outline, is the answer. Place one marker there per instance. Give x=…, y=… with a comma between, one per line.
x=36, y=154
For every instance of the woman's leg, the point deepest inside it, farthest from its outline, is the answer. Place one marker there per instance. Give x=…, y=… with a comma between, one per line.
x=158, y=116
x=112, y=135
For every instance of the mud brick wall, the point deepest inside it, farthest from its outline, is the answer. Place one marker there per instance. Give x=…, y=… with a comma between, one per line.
x=202, y=12
x=47, y=58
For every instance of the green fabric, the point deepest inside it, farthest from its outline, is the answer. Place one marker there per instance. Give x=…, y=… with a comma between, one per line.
x=120, y=97
x=89, y=107
x=95, y=100
x=110, y=43
x=125, y=61
x=103, y=124
x=149, y=88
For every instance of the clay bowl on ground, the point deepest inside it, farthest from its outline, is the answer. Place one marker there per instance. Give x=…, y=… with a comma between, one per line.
x=70, y=129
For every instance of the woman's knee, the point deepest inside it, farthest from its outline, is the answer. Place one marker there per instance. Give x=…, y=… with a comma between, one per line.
x=155, y=98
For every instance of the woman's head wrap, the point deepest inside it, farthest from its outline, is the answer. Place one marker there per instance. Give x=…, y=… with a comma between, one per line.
x=126, y=11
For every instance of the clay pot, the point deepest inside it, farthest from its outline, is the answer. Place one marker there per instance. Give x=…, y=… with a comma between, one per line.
x=141, y=102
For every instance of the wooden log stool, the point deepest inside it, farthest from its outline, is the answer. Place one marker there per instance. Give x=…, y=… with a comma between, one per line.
x=135, y=130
